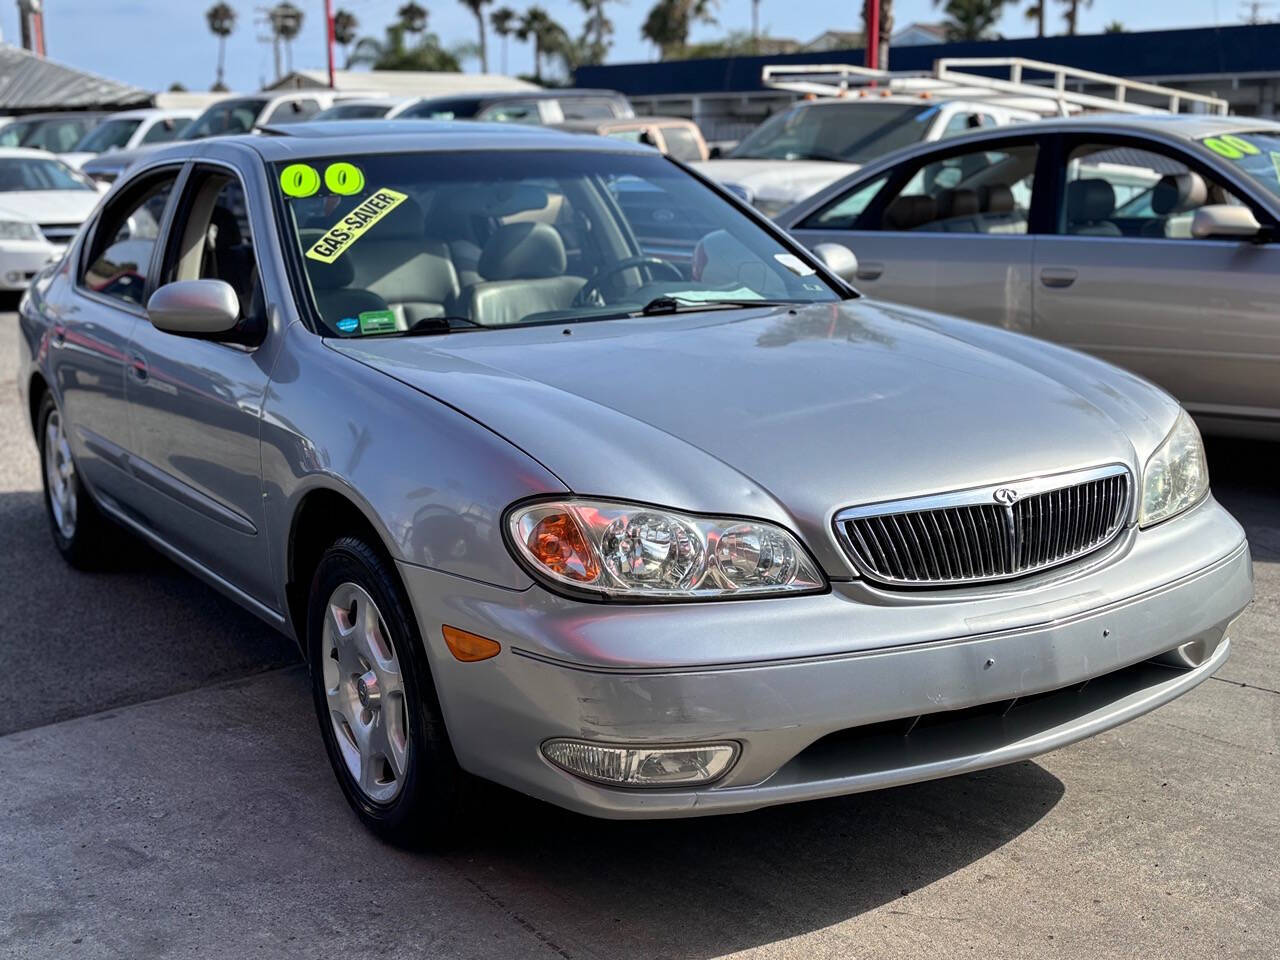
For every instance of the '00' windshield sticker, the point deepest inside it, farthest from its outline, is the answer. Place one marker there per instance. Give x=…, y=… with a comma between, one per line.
x=343, y=234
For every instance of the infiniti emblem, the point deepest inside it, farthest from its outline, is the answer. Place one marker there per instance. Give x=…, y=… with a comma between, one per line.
x=1006, y=495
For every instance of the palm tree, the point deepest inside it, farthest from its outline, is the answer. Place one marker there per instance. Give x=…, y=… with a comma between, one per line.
x=222, y=21
x=504, y=20
x=1035, y=13
x=345, y=30
x=886, y=29
x=476, y=8
x=668, y=23
x=547, y=35
x=1072, y=14
x=394, y=53
x=412, y=17
x=969, y=20
x=286, y=24
x=1115, y=26
x=597, y=32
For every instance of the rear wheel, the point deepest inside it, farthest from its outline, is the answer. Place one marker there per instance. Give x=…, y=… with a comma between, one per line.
x=375, y=700
x=80, y=532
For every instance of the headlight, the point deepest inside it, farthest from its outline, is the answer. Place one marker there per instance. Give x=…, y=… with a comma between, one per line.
x=626, y=551
x=18, y=230
x=1177, y=475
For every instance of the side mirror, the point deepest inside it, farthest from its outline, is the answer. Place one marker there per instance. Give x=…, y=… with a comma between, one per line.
x=1224, y=220
x=194, y=308
x=839, y=259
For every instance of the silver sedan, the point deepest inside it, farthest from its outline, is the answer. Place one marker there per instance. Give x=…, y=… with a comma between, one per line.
x=1149, y=241
x=569, y=471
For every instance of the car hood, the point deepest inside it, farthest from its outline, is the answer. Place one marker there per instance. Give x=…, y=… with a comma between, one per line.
x=777, y=181
x=783, y=414
x=48, y=206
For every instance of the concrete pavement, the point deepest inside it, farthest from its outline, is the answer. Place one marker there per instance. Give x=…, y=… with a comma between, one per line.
x=165, y=794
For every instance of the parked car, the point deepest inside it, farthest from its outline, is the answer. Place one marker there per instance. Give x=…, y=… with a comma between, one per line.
x=523, y=106
x=640, y=537
x=674, y=136
x=54, y=132
x=1149, y=241
x=803, y=149
x=369, y=108
x=130, y=129
x=43, y=202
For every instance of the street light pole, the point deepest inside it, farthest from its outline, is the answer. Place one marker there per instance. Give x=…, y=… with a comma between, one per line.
x=872, y=40
x=328, y=33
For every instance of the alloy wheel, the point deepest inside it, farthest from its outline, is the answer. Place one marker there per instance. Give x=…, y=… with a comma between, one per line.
x=60, y=475
x=364, y=688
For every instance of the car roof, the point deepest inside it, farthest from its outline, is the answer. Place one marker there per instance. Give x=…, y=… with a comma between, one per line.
x=566, y=93
x=1188, y=126
x=402, y=136
x=144, y=113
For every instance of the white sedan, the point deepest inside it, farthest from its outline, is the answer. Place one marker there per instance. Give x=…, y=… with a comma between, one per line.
x=128, y=130
x=43, y=202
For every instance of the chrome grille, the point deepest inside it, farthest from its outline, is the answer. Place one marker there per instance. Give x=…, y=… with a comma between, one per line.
x=59, y=232
x=992, y=533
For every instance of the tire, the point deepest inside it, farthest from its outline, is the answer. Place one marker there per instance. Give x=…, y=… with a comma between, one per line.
x=81, y=533
x=383, y=728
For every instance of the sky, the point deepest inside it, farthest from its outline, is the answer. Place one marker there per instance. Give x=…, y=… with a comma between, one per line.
x=154, y=43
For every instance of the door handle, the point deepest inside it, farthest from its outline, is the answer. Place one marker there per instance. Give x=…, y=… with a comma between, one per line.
x=869, y=271
x=1058, y=277
x=139, y=367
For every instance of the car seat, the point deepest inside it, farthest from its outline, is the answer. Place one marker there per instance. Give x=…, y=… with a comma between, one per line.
x=1174, y=194
x=1090, y=205
x=524, y=268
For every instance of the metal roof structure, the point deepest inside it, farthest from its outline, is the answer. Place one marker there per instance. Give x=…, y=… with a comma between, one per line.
x=29, y=83
x=400, y=82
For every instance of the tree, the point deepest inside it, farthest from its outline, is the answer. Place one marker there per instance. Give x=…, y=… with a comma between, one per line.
x=476, y=8
x=969, y=20
x=504, y=21
x=394, y=53
x=597, y=32
x=345, y=29
x=222, y=22
x=886, y=28
x=548, y=36
x=177, y=87
x=1035, y=13
x=1072, y=13
x=668, y=23
x=1115, y=26
x=286, y=23
x=412, y=17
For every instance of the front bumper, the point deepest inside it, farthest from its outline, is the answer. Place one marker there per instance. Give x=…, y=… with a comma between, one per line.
x=21, y=260
x=1032, y=670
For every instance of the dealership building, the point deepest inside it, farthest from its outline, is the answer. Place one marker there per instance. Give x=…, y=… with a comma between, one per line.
x=726, y=97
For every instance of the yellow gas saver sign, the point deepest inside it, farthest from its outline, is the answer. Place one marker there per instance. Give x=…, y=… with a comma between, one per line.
x=355, y=225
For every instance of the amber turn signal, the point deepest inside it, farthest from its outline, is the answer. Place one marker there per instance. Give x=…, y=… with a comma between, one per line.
x=468, y=647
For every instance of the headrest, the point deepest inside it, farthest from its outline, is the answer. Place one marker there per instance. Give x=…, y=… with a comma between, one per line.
x=1092, y=199
x=957, y=203
x=405, y=222
x=1178, y=193
x=326, y=276
x=523, y=251
x=995, y=198
x=909, y=212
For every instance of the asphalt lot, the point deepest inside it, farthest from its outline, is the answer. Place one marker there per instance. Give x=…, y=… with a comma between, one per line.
x=165, y=794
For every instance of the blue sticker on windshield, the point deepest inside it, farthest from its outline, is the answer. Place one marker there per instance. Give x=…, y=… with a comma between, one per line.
x=347, y=325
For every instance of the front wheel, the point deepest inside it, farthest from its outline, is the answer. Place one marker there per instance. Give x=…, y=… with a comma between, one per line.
x=80, y=532
x=375, y=700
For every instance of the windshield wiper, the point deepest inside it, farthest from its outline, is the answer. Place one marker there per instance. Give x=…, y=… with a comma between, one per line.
x=434, y=325
x=668, y=304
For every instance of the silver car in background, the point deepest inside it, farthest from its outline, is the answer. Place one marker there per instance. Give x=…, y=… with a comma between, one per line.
x=1149, y=241
x=569, y=471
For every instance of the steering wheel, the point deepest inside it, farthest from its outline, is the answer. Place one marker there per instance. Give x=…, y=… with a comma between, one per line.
x=591, y=292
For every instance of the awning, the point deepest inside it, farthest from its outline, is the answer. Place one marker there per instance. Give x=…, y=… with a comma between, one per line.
x=29, y=83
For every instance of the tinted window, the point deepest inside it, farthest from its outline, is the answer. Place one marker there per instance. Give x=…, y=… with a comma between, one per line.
x=982, y=191
x=56, y=135
x=124, y=241
x=444, y=108
x=227, y=117
x=12, y=134
x=848, y=132
x=513, y=111
x=354, y=111
x=166, y=130
x=292, y=111
x=587, y=108
x=1115, y=190
x=682, y=143
x=38, y=173
x=111, y=135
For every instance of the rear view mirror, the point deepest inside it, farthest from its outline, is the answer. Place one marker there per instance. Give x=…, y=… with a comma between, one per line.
x=1224, y=220
x=194, y=308
x=839, y=259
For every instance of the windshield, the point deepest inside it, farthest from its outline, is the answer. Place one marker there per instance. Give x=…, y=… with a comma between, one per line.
x=848, y=132
x=111, y=135
x=431, y=241
x=354, y=111
x=225, y=118
x=55, y=134
x=39, y=173
x=1257, y=155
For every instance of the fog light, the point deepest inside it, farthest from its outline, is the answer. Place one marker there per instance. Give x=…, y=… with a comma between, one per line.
x=642, y=766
